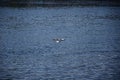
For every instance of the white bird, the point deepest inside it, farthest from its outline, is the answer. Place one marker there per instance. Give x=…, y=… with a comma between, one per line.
x=58, y=40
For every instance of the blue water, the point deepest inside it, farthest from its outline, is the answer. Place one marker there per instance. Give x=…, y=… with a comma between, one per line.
x=90, y=50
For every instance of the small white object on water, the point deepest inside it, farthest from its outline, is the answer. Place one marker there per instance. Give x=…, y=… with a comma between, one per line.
x=58, y=40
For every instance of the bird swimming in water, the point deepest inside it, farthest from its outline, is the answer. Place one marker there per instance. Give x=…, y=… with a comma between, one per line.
x=58, y=40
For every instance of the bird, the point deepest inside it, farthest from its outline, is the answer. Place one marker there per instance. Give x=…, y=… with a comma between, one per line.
x=58, y=40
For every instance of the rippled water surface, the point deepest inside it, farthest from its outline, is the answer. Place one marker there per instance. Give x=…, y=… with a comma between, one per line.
x=90, y=50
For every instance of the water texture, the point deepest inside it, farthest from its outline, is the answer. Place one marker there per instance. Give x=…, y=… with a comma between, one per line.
x=90, y=51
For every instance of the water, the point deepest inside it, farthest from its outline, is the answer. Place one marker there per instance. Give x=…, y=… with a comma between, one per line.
x=90, y=50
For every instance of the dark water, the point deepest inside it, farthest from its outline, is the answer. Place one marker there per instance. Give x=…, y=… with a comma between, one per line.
x=90, y=51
